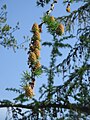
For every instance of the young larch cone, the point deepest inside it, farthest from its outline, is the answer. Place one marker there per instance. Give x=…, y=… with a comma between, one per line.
x=60, y=29
x=28, y=91
x=68, y=8
x=37, y=52
x=32, y=57
x=52, y=19
x=37, y=44
x=37, y=65
x=36, y=35
x=35, y=27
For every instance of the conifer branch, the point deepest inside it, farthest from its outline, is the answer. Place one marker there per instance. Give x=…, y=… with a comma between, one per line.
x=40, y=105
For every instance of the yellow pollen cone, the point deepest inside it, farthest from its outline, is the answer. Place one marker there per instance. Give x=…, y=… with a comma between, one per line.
x=68, y=9
x=37, y=52
x=52, y=19
x=32, y=57
x=37, y=35
x=60, y=29
x=28, y=91
x=37, y=65
x=37, y=44
x=35, y=27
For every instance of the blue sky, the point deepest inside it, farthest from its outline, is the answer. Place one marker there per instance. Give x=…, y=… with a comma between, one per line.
x=13, y=64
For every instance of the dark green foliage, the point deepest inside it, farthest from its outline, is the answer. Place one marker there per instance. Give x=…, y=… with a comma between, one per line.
x=47, y=44
x=42, y=2
x=14, y=90
x=26, y=76
x=21, y=98
x=76, y=76
x=38, y=72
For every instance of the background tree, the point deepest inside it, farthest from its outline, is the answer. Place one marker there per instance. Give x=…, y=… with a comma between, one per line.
x=70, y=99
x=6, y=31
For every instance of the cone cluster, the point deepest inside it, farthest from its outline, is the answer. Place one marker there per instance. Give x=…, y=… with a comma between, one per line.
x=54, y=25
x=60, y=27
x=34, y=49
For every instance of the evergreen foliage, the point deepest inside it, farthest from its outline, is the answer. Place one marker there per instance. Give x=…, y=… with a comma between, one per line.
x=71, y=99
x=7, y=38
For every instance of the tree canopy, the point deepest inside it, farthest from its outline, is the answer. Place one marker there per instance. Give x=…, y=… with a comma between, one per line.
x=70, y=99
